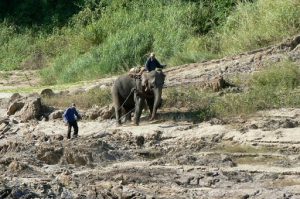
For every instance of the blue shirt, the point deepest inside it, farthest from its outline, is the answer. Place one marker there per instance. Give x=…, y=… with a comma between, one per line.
x=152, y=64
x=71, y=115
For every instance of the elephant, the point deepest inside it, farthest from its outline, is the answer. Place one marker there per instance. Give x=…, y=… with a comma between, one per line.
x=130, y=92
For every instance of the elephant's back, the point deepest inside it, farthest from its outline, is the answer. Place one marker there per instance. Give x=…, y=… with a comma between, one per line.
x=124, y=81
x=123, y=85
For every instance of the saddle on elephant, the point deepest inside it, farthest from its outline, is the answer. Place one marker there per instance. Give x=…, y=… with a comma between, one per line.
x=135, y=72
x=142, y=76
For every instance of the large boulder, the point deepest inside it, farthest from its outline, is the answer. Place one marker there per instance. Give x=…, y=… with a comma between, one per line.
x=107, y=112
x=15, y=97
x=103, y=113
x=47, y=92
x=92, y=114
x=31, y=110
x=15, y=105
x=217, y=83
x=30, y=107
x=50, y=154
x=56, y=115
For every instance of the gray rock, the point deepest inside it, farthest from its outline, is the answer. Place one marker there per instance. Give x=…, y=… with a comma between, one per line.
x=50, y=155
x=31, y=109
x=56, y=115
x=14, y=97
x=47, y=92
x=14, y=107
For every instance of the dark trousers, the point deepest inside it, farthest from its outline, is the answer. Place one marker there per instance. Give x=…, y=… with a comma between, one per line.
x=75, y=127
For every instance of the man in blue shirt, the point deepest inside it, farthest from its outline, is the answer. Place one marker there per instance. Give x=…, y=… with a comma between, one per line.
x=70, y=117
x=152, y=63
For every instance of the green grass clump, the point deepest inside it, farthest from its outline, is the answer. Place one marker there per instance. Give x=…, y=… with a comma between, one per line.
x=94, y=97
x=238, y=148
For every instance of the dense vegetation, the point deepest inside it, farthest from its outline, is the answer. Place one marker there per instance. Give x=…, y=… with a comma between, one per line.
x=86, y=39
x=33, y=13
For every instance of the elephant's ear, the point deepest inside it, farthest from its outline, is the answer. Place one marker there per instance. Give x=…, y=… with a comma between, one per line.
x=159, y=79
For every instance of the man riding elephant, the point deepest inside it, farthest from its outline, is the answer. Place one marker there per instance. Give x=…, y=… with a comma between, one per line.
x=152, y=63
x=130, y=92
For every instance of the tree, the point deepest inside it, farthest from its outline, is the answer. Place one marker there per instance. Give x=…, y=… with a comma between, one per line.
x=39, y=12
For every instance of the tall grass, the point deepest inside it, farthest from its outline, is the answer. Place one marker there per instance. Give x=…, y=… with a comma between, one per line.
x=122, y=38
x=13, y=47
x=255, y=25
x=26, y=49
x=109, y=37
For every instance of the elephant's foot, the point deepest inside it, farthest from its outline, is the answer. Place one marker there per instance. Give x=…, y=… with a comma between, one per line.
x=134, y=123
x=152, y=118
x=118, y=123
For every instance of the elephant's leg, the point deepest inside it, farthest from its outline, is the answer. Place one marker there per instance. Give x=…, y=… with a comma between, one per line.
x=127, y=114
x=139, y=105
x=157, y=100
x=150, y=103
x=119, y=115
x=117, y=106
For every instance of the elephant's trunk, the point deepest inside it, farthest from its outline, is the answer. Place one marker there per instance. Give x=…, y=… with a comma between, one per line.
x=157, y=100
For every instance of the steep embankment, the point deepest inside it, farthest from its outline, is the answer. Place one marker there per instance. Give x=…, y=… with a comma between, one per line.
x=194, y=73
x=255, y=157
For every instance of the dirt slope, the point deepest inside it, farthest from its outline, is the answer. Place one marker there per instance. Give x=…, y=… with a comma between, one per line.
x=257, y=157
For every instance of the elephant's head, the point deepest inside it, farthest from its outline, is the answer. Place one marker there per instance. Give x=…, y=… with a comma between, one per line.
x=152, y=82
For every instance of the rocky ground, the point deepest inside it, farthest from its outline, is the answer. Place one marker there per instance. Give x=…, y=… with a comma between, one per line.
x=172, y=157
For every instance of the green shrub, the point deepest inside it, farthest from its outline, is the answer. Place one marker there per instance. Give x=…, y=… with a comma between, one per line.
x=195, y=49
x=258, y=24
